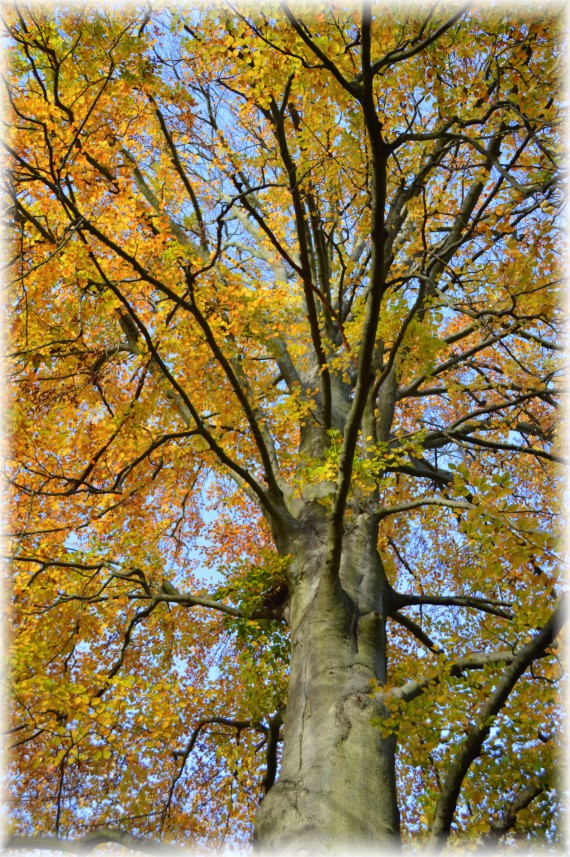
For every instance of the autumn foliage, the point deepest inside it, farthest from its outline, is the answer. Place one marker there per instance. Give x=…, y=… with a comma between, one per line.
x=269, y=270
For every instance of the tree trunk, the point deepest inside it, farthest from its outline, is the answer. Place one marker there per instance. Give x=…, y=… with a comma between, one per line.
x=337, y=780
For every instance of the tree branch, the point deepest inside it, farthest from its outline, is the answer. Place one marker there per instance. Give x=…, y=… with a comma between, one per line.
x=327, y=63
x=186, y=599
x=182, y=173
x=241, y=395
x=374, y=295
x=471, y=601
x=301, y=229
x=138, y=617
x=509, y=447
x=275, y=723
x=418, y=632
x=456, y=668
x=89, y=842
x=473, y=742
x=224, y=721
x=423, y=501
x=150, y=197
x=509, y=814
x=222, y=456
x=397, y=56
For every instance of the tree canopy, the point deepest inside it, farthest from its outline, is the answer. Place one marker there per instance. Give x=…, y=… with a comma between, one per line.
x=273, y=270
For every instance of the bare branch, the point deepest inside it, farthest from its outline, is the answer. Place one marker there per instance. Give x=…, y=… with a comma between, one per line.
x=60, y=246
x=471, y=601
x=432, y=500
x=185, y=599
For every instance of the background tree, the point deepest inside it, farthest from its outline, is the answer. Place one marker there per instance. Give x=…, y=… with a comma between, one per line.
x=284, y=375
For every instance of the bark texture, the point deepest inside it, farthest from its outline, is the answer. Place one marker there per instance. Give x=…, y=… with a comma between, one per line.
x=337, y=780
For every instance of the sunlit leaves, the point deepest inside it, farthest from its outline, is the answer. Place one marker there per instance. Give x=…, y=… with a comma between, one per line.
x=163, y=351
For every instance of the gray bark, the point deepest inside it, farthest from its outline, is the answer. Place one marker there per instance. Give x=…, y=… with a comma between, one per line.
x=337, y=781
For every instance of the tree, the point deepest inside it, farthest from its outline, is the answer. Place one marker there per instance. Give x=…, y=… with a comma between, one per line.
x=284, y=455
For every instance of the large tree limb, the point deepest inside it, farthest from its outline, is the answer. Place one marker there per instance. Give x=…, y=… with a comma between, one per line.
x=455, y=668
x=87, y=843
x=275, y=723
x=374, y=295
x=473, y=742
x=186, y=599
x=151, y=198
x=485, y=604
x=426, y=500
